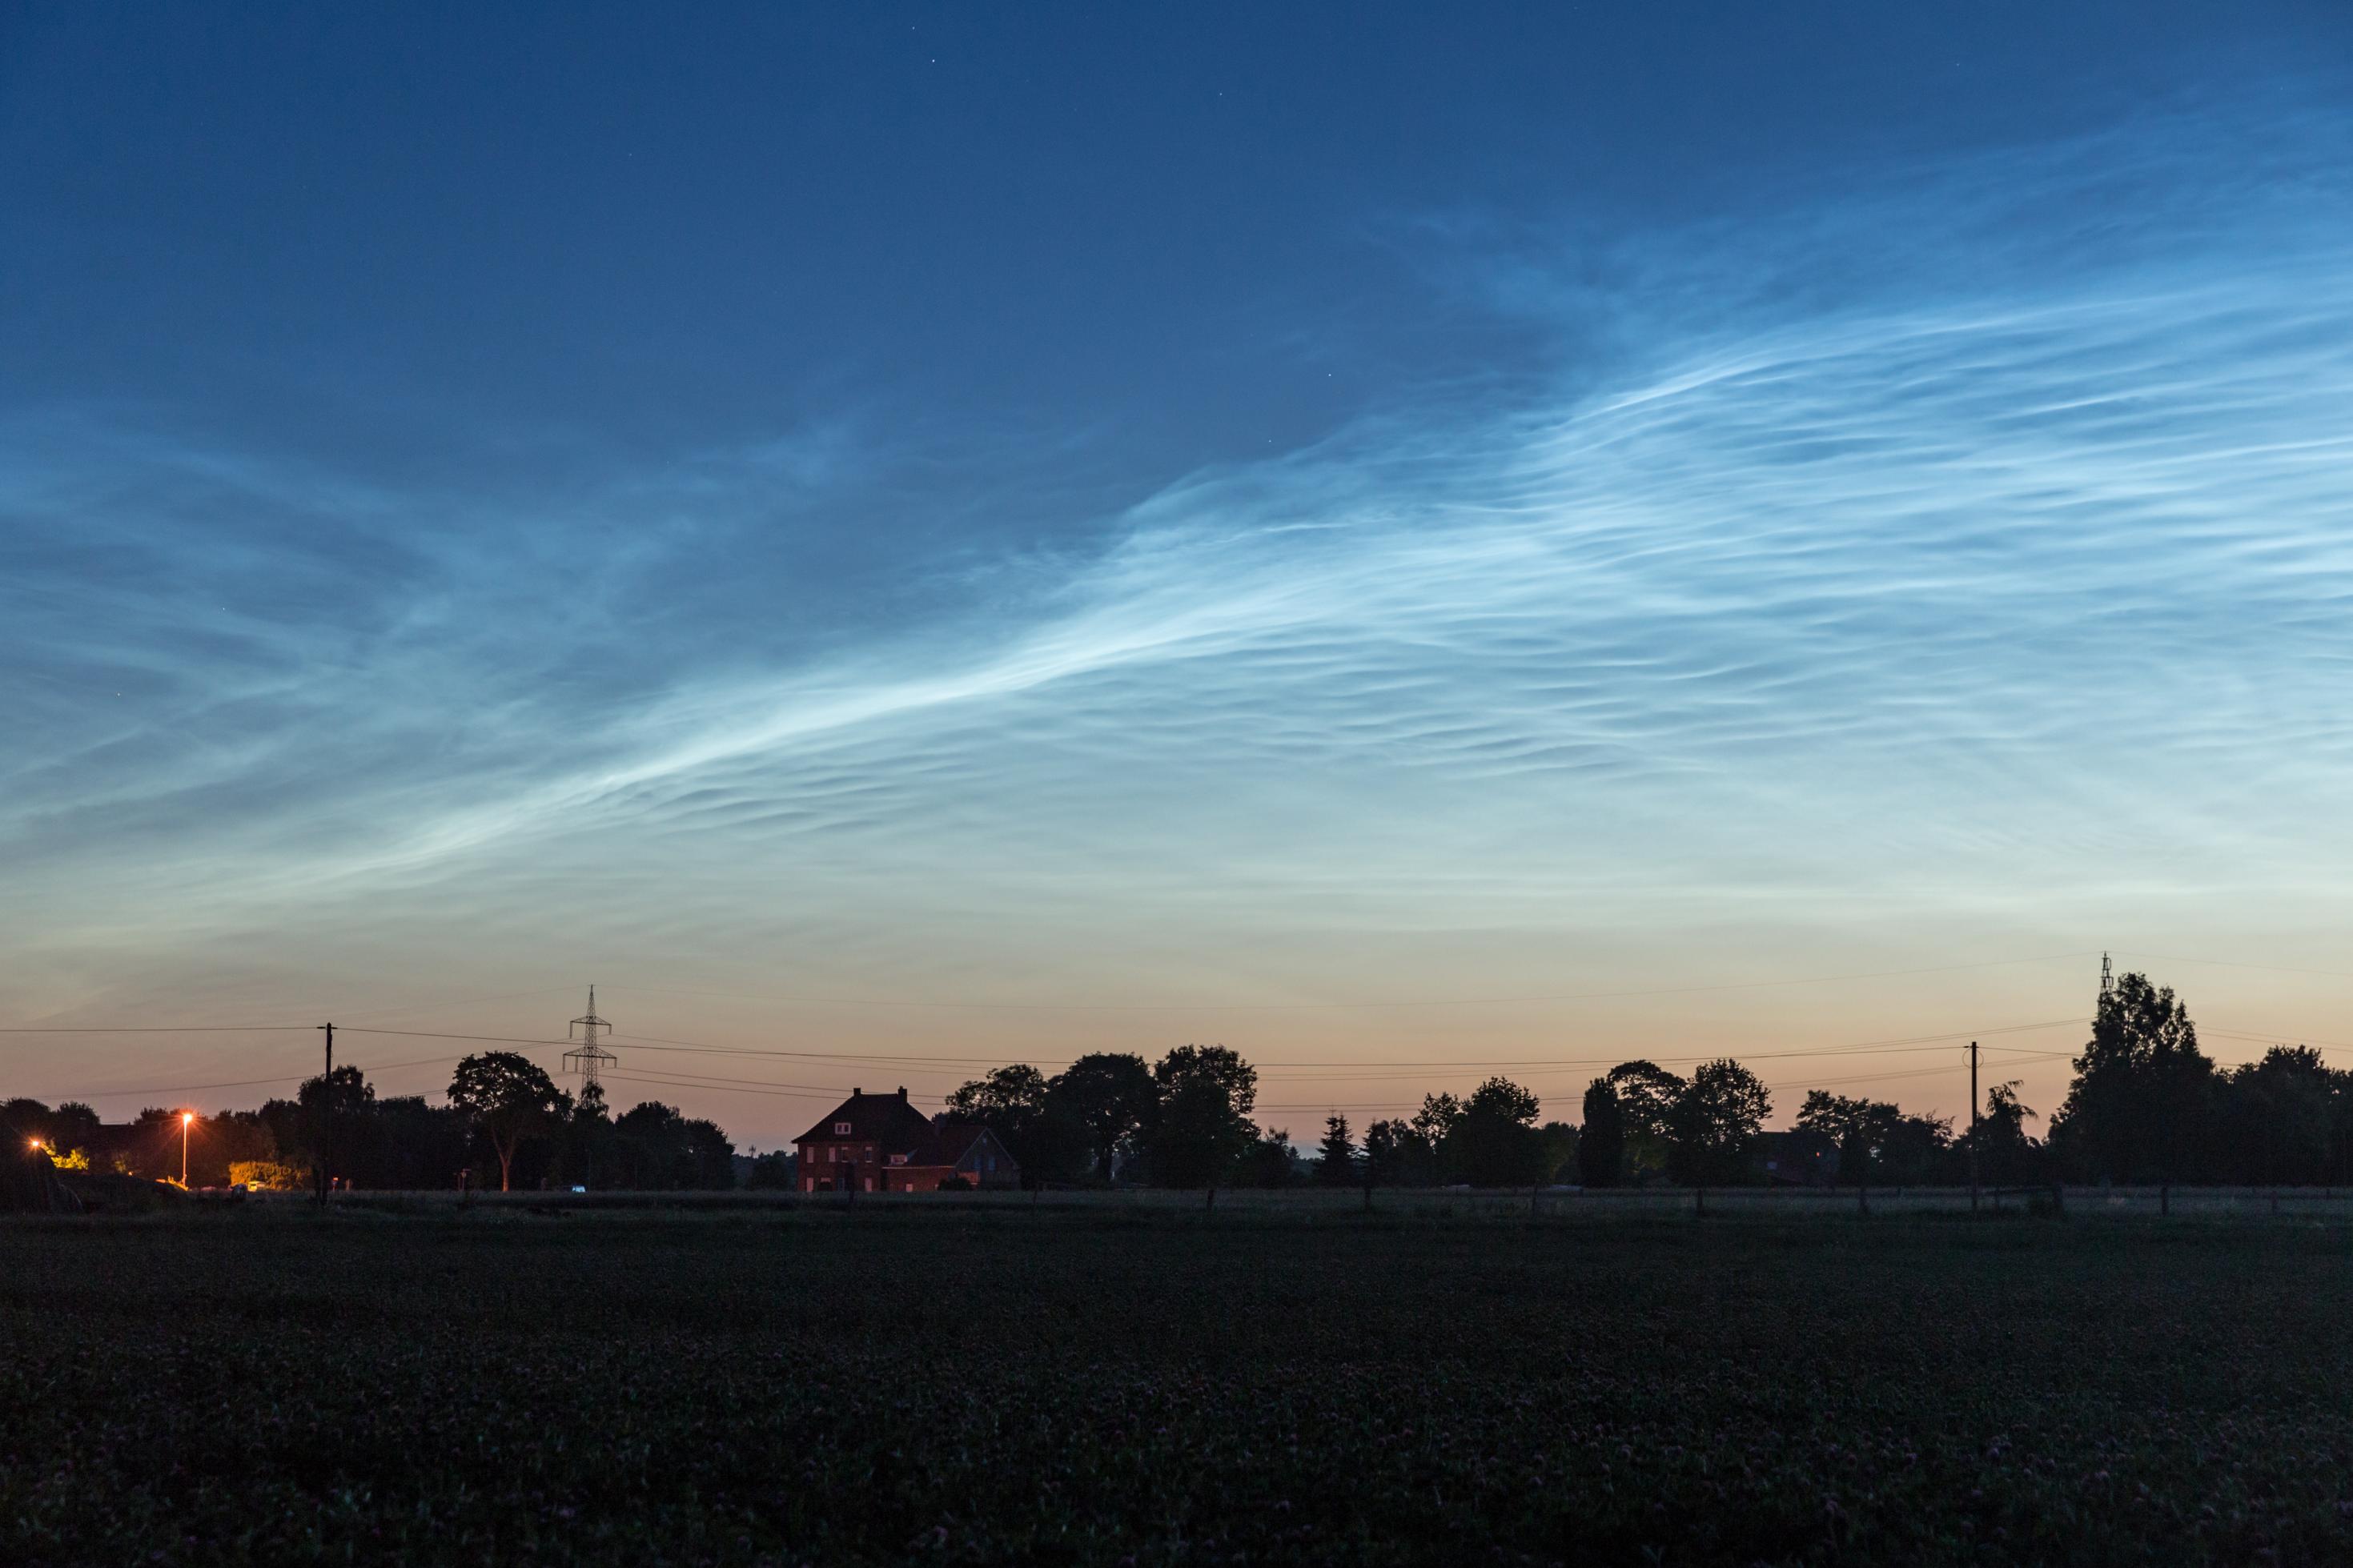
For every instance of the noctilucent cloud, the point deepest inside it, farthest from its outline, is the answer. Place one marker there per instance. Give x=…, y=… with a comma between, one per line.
x=1402, y=539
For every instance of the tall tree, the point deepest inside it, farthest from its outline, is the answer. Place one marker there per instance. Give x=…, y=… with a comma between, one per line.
x=2278, y=1119
x=1113, y=1096
x=1335, y=1157
x=1200, y=1134
x=1647, y=1096
x=1715, y=1123
x=1395, y=1153
x=1601, y=1148
x=1041, y=1131
x=510, y=1098
x=2137, y=1108
x=667, y=1151
x=1218, y=1063
x=2006, y=1155
x=1495, y=1142
x=589, y=1152
x=1005, y=1098
x=1859, y=1129
x=1436, y=1121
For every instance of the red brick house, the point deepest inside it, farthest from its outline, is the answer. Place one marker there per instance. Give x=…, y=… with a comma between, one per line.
x=879, y=1143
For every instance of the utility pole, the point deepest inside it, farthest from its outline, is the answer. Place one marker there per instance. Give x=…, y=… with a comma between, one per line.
x=327, y=1118
x=1973, y=1127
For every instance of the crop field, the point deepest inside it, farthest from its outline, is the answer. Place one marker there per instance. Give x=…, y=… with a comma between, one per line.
x=1079, y=1386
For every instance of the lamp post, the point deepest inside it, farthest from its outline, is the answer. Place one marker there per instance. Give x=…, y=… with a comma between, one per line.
x=185, y=1118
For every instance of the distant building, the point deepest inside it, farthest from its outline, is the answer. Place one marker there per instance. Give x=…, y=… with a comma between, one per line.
x=1798, y=1160
x=879, y=1143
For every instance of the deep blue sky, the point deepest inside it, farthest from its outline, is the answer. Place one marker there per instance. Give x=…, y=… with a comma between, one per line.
x=1192, y=506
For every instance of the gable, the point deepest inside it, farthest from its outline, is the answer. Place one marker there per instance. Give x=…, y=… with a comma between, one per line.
x=887, y=1119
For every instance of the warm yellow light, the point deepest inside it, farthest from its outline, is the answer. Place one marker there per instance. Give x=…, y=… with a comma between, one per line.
x=37, y=1145
x=187, y=1117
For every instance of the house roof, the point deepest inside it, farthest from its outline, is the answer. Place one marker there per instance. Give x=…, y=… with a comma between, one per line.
x=883, y=1119
x=952, y=1139
x=896, y=1127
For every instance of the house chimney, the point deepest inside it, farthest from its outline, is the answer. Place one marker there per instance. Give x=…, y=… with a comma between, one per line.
x=902, y=1091
x=856, y=1093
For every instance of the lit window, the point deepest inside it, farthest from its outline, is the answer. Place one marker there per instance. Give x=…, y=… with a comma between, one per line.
x=898, y=1159
x=842, y=1127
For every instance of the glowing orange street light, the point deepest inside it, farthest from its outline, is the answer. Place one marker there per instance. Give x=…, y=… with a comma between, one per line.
x=185, y=1118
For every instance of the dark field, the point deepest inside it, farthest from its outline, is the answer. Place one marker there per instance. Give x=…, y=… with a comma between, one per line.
x=975, y=1387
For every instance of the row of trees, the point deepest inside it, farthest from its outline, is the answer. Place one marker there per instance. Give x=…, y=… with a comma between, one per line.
x=2146, y=1106
x=505, y=1115
x=1185, y=1121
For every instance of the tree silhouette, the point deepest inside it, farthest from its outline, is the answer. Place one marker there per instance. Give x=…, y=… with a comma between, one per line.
x=1113, y=1096
x=1200, y=1134
x=1041, y=1130
x=1495, y=1142
x=1647, y=1096
x=1237, y=1077
x=2279, y=1118
x=2141, y=1089
x=510, y=1098
x=1393, y=1152
x=1715, y=1122
x=1335, y=1157
x=1601, y=1148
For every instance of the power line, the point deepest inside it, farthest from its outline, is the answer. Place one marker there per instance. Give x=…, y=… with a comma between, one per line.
x=773, y=1093
x=644, y=1042
x=237, y=1083
x=1862, y=1048
x=2232, y=963
x=442, y=1035
x=1312, y=1006
x=165, y=1029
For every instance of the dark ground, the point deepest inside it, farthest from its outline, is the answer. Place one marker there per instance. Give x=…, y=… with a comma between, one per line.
x=1075, y=1388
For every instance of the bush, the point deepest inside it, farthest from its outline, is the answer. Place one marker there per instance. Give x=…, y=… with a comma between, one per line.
x=266, y=1175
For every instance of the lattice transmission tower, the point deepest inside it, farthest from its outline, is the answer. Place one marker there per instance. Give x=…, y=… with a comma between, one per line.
x=2107, y=977
x=588, y=1059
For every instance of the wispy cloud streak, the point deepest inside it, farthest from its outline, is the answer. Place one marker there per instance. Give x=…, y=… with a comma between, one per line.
x=1924, y=573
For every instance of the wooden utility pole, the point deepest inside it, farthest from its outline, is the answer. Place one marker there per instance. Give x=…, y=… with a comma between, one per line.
x=327, y=1118
x=1973, y=1127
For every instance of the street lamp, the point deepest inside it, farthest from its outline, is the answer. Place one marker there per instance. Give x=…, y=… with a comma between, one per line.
x=185, y=1118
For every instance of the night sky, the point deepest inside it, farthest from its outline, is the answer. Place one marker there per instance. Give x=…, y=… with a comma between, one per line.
x=1398, y=539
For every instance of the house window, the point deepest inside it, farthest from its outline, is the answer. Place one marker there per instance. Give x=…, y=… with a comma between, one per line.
x=842, y=1127
x=898, y=1159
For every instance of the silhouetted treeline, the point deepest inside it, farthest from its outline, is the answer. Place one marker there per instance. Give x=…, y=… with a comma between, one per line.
x=507, y=1124
x=2146, y=1106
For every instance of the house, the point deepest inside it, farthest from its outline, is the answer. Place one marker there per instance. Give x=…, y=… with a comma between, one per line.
x=880, y=1142
x=1798, y=1159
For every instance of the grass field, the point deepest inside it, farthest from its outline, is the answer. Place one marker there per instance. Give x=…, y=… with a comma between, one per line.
x=1087, y=1385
